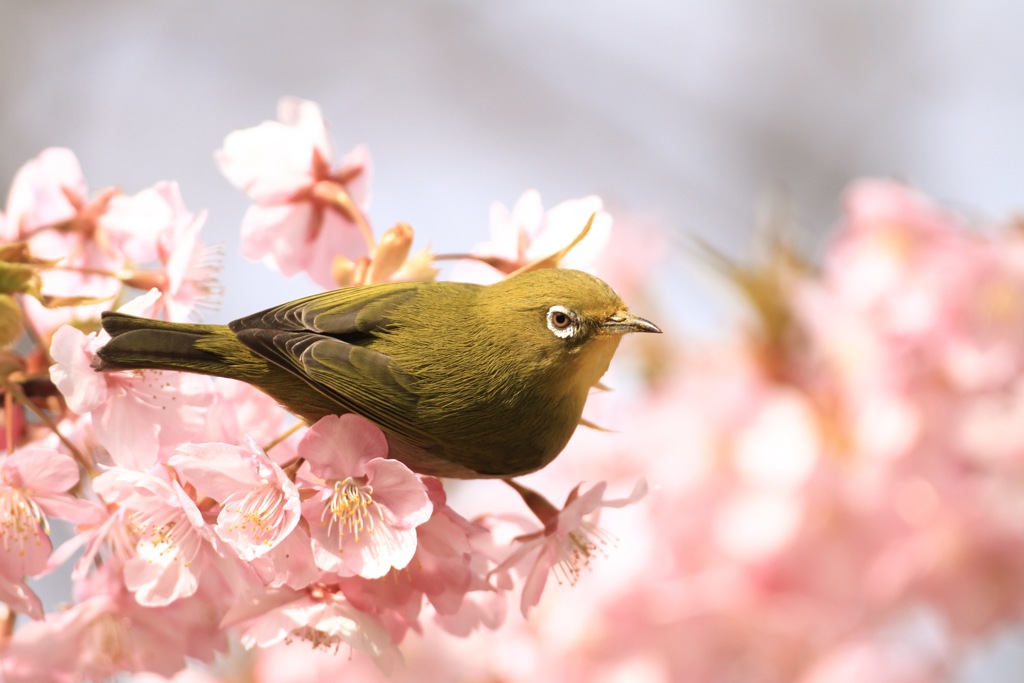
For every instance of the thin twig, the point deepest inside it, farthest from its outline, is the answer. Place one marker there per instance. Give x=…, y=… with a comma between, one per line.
x=18, y=394
x=284, y=435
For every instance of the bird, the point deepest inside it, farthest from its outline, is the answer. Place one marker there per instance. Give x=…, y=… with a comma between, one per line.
x=466, y=381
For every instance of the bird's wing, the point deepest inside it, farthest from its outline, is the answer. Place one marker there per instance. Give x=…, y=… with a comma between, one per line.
x=353, y=310
x=317, y=339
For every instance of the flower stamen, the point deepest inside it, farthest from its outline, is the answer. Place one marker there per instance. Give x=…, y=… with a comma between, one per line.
x=260, y=514
x=20, y=519
x=351, y=507
x=577, y=549
x=166, y=533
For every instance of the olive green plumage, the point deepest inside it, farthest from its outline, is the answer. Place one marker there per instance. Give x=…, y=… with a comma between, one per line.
x=465, y=380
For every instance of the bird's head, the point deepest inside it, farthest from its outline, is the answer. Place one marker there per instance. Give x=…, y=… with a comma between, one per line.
x=565, y=317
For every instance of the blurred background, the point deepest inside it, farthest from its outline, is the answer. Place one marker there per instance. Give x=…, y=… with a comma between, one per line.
x=687, y=114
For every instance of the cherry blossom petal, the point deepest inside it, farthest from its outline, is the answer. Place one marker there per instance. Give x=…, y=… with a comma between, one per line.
x=272, y=161
x=400, y=491
x=136, y=222
x=72, y=350
x=339, y=446
x=39, y=192
x=41, y=470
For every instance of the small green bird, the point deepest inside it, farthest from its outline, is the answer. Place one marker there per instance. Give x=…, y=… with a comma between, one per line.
x=466, y=381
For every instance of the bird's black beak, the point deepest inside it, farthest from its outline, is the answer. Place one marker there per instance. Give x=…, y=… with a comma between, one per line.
x=624, y=322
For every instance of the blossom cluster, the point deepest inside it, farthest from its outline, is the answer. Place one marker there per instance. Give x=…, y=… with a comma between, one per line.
x=194, y=510
x=835, y=485
x=837, y=490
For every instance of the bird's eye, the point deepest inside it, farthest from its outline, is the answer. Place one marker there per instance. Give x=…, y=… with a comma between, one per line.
x=561, y=321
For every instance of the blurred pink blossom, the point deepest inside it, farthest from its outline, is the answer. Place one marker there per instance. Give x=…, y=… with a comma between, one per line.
x=443, y=568
x=187, y=272
x=527, y=233
x=47, y=206
x=106, y=632
x=568, y=541
x=34, y=483
x=47, y=191
x=320, y=615
x=306, y=211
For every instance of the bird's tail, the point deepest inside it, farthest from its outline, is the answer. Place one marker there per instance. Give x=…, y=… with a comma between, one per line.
x=141, y=343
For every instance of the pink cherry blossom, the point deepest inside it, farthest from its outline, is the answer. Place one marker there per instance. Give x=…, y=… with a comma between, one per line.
x=446, y=565
x=905, y=653
x=34, y=484
x=484, y=606
x=289, y=563
x=107, y=633
x=44, y=193
x=136, y=223
x=276, y=664
x=259, y=504
x=172, y=541
x=47, y=206
x=239, y=410
x=306, y=212
x=364, y=508
x=838, y=483
x=393, y=602
x=137, y=415
x=448, y=578
x=106, y=239
x=187, y=276
x=568, y=541
x=72, y=350
x=320, y=616
x=527, y=233
x=898, y=260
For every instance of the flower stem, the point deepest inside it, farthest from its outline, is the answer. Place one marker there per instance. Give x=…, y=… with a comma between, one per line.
x=552, y=260
x=292, y=468
x=283, y=435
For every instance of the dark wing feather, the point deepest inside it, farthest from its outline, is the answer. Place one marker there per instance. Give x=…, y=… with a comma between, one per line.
x=352, y=310
x=310, y=338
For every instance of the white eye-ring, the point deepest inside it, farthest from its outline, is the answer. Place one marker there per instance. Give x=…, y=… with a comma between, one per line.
x=562, y=322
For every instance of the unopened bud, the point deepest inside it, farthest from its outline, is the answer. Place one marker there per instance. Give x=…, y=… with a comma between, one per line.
x=144, y=279
x=10, y=320
x=391, y=252
x=343, y=271
x=417, y=268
